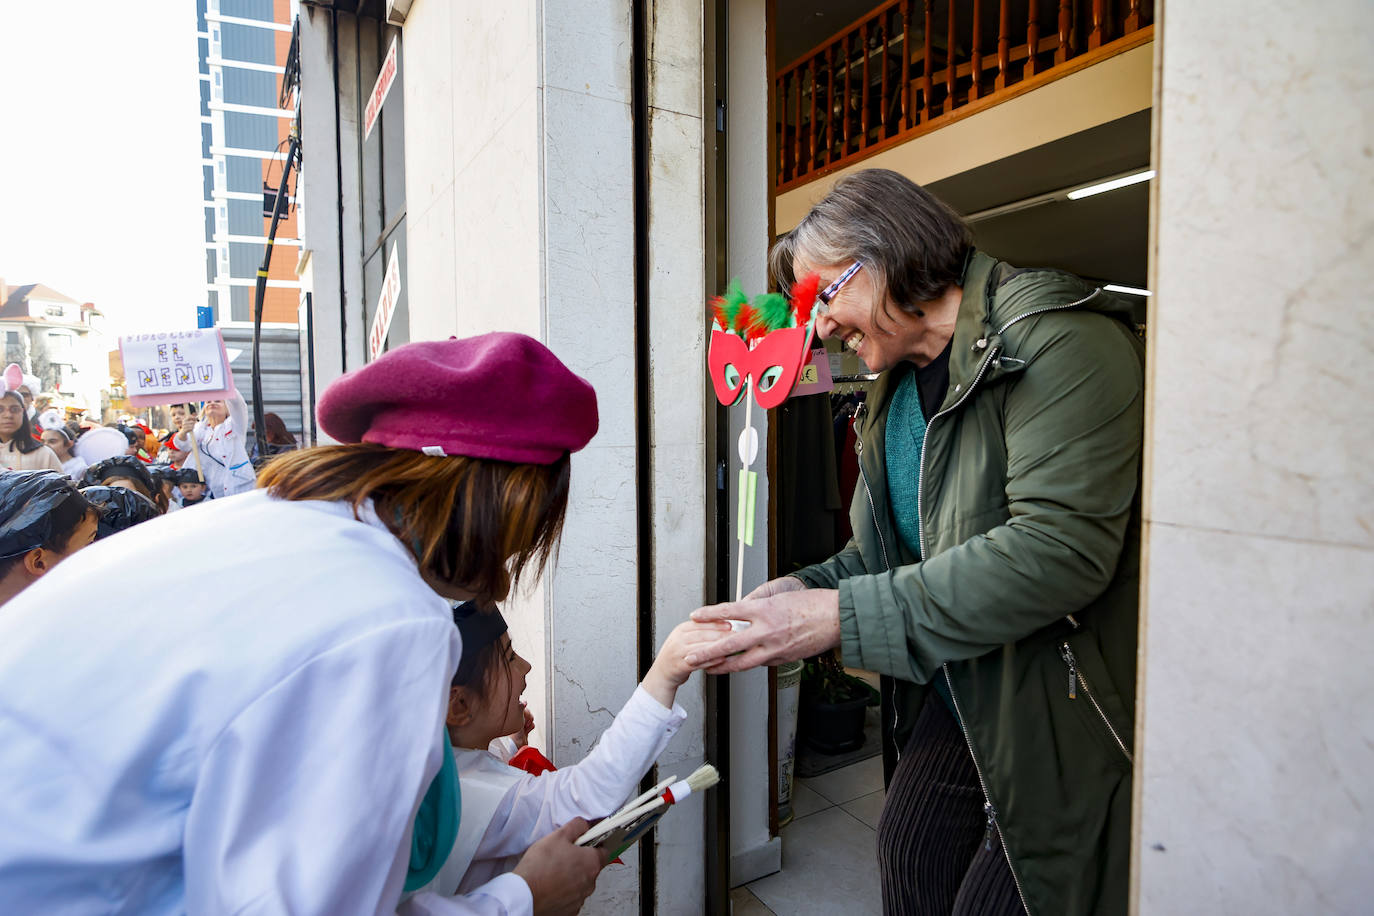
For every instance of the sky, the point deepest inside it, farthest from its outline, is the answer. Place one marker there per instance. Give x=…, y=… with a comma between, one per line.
x=100, y=181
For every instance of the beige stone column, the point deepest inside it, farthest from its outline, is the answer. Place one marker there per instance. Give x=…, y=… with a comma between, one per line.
x=1255, y=788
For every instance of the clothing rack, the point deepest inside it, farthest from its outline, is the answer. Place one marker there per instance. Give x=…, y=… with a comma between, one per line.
x=845, y=384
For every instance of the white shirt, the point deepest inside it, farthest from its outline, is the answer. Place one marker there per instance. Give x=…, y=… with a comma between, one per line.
x=260, y=746
x=506, y=810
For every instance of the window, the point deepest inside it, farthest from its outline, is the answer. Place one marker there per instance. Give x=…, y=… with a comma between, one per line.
x=59, y=347
x=11, y=338
x=52, y=311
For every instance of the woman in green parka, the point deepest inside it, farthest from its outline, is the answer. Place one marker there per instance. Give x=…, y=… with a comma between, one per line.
x=993, y=573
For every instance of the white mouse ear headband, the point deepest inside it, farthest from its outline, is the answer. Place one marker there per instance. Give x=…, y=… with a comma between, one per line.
x=12, y=377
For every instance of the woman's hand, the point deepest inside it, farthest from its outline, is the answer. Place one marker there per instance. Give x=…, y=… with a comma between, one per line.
x=776, y=587
x=783, y=627
x=670, y=669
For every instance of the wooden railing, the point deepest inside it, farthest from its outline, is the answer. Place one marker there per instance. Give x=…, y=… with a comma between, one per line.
x=911, y=66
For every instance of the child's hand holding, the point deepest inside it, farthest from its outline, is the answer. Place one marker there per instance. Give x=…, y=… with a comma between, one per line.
x=670, y=670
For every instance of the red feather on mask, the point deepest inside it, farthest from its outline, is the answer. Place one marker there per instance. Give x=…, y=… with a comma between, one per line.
x=804, y=297
x=746, y=322
x=718, y=312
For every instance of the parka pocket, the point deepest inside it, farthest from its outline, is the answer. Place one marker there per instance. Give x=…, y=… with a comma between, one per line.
x=1087, y=683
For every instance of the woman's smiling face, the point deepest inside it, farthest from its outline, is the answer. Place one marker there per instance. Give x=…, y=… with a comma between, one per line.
x=850, y=318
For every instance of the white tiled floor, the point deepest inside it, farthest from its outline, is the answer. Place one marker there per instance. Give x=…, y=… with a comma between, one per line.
x=829, y=860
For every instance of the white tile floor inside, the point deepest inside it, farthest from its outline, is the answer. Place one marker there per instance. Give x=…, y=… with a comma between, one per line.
x=829, y=856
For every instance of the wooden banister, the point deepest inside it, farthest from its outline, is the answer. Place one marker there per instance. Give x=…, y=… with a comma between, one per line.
x=1003, y=44
x=832, y=107
x=830, y=102
x=925, y=63
x=811, y=129
x=863, y=96
x=950, y=45
x=976, y=53
x=906, y=64
x=1061, y=53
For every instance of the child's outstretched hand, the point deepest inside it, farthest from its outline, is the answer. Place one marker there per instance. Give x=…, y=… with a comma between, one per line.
x=670, y=670
x=522, y=737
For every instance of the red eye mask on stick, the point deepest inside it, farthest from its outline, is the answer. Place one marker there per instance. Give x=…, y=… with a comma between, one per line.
x=773, y=364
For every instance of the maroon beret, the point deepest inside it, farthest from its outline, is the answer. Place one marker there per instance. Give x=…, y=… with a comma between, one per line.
x=500, y=395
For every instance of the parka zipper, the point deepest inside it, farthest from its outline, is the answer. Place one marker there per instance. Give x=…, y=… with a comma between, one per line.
x=1051, y=308
x=921, y=529
x=1077, y=680
x=988, y=809
x=873, y=508
x=978, y=377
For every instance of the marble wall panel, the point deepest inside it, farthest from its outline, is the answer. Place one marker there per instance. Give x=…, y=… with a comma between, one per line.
x=428, y=89
x=497, y=231
x=1255, y=743
x=1258, y=746
x=589, y=249
x=675, y=57
x=1267, y=434
x=587, y=48
x=495, y=58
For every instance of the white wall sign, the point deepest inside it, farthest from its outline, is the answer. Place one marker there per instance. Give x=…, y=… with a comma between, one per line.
x=173, y=366
x=380, y=89
x=386, y=306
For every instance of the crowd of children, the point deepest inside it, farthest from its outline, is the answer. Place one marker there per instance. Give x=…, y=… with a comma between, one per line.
x=119, y=474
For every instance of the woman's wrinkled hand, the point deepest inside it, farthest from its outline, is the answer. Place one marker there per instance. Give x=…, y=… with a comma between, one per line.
x=776, y=587
x=783, y=627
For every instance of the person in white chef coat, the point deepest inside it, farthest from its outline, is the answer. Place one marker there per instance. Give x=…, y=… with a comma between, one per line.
x=222, y=437
x=232, y=753
x=505, y=809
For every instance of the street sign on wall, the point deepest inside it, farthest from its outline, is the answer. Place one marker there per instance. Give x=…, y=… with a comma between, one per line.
x=385, y=78
x=386, y=306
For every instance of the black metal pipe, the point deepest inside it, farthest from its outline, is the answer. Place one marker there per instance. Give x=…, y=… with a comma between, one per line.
x=260, y=294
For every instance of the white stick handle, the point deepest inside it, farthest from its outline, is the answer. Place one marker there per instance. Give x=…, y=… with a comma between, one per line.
x=748, y=425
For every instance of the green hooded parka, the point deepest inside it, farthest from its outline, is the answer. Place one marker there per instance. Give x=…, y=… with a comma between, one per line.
x=1027, y=598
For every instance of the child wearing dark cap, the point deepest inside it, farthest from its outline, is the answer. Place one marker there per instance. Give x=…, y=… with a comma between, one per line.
x=503, y=810
x=126, y=471
x=192, y=488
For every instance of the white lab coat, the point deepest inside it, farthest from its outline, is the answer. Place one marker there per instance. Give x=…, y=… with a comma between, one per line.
x=261, y=745
x=223, y=451
x=506, y=810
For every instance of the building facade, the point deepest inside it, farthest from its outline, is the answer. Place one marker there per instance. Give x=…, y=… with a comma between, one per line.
x=246, y=121
x=59, y=340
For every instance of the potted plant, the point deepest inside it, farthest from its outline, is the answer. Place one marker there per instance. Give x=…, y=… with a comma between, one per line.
x=832, y=705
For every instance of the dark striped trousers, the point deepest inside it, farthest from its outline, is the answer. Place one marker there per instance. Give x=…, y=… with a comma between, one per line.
x=932, y=834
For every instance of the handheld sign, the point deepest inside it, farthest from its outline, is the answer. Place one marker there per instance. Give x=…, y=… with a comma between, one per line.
x=175, y=366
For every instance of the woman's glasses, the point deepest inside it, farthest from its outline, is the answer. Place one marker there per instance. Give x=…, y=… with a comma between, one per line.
x=827, y=295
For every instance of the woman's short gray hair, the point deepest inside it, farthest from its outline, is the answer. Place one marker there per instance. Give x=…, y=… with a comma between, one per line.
x=912, y=244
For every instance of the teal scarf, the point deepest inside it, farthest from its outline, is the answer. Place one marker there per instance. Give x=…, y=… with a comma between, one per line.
x=436, y=823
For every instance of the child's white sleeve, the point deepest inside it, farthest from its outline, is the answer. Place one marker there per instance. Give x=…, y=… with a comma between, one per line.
x=538, y=805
